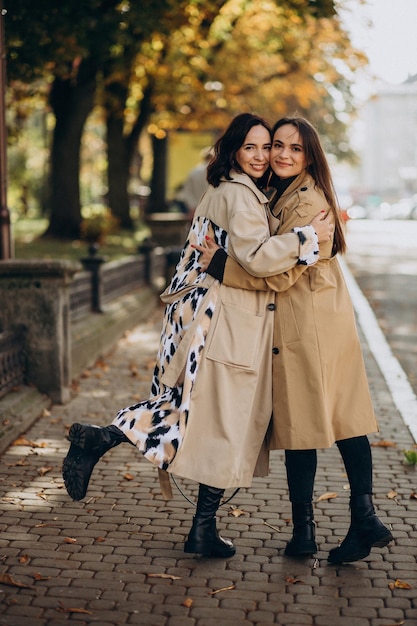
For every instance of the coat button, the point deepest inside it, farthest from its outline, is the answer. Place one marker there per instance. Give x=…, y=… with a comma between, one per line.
x=303, y=188
x=271, y=307
x=275, y=350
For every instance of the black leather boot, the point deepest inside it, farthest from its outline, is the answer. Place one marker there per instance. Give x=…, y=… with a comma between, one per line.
x=88, y=444
x=366, y=532
x=203, y=537
x=303, y=541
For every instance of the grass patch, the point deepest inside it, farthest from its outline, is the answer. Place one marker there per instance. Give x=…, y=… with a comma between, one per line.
x=29, y=243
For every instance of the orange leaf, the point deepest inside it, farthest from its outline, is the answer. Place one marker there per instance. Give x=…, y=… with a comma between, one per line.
x=188, y=603
x=128, y=476
x=399, y=584
x=40, y=577
x=327, y=496
x=383, y=444
x=70, y=540
x=44, y=470
x=237, y=512
x=392, y=494
x=413, y=495
x=64, y=609
x=293, y=581
x=100, y=540
x=24, y=558
x=22, y=441
x=7, y=579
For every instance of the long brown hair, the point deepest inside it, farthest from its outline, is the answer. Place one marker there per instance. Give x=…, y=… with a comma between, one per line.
x=228, y=144
x=319, y=169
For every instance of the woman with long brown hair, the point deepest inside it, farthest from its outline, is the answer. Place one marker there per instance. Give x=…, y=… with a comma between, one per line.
x=320, y=388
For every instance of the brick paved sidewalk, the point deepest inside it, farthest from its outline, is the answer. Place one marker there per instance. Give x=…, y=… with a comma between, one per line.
x=117, y=557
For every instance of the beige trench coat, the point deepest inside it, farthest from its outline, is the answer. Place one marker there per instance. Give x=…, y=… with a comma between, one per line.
x=231, y=401
x=320, y=388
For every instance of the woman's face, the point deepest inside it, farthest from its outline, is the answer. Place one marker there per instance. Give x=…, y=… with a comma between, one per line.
x=287, y=156
x=253, y=155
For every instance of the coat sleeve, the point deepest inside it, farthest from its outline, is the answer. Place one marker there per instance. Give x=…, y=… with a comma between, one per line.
x=252, y=247
x=236, y=276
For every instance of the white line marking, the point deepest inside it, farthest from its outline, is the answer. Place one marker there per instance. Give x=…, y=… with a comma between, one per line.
x=402, y=393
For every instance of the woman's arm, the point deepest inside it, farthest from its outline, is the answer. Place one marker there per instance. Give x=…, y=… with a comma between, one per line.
x=218, y=264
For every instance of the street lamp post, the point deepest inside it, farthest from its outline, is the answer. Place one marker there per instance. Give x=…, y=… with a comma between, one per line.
x=5, y=235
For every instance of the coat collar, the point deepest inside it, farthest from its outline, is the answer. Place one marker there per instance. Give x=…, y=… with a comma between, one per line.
x=303, y=180
x=244, y=179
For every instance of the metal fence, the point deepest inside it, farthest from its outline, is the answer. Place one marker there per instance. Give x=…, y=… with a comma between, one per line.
x=12, y=360
x=97, y=285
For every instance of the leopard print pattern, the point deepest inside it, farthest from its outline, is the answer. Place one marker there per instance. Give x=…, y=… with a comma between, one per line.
x=156, y=426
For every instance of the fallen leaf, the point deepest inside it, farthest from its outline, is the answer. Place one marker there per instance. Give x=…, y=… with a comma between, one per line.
x=392, y=494
x=46, y=413
x=128, y=476
x=64, y=609
x=399, y=584
x=44, y=470
x=99, y=540
x=237, y=512
x=24, y=558
x=21, y=441
x=42, y=495
x=384, y=444
x=413, y=495
x=45, y=524
x=293, y=581
x=273, y=527
x=327, y=496
x=40, y=577
x=212, y=593
x=188, y=603
x=70, y=540
x=170, y=576
x=7, y=579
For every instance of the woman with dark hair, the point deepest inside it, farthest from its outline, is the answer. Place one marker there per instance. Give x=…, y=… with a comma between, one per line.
x=320, y=388
x=211, y=397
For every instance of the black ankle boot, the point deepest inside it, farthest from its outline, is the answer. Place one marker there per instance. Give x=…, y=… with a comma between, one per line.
x=203, y=537
x=366, y=532
x=303, y=541
x=88, y=444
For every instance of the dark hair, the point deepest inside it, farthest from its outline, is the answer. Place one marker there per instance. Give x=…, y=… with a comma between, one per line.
x=318, y=168
x=228, y=144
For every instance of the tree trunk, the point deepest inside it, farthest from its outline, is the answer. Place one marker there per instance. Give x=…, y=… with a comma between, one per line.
x=72, y=100
x=157, y=201
x=118, y=171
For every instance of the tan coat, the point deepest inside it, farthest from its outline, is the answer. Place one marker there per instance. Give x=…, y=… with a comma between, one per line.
x=211, y=393
x=231, y=400
x=320, y=388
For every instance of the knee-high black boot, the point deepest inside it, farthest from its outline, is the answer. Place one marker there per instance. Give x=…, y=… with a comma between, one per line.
x=366, y=530
x=203, y=537
x=301, y=470
x=88, y=444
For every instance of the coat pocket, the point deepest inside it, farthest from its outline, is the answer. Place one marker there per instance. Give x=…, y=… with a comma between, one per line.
x=235, y=337
x=290, y=328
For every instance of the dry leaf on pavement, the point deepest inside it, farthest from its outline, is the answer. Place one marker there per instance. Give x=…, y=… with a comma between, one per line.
x=383, y=444
x=329, y=495
x=7, y=579
x=399, y=584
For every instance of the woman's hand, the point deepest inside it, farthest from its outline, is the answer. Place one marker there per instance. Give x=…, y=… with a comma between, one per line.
x=206, y=252
x=323, y=226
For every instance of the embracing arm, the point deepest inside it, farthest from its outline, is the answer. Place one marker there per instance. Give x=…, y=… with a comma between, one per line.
x=230, y=273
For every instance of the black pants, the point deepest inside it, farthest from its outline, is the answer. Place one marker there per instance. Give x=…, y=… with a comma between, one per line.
x=301, y=468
